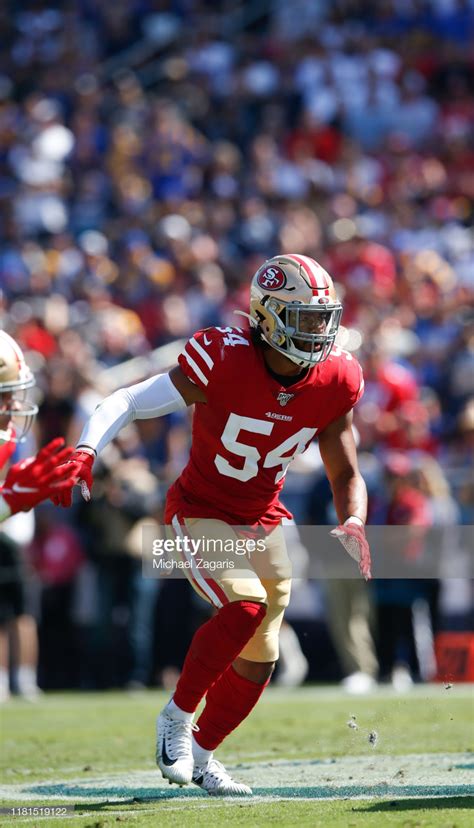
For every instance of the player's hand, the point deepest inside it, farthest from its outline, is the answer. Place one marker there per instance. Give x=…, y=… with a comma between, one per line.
x=83, y=460
x=50, y=474
x=352, y=536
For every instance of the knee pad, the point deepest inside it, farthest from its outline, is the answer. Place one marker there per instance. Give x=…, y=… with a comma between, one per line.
x=233, y=625
x=240, y=619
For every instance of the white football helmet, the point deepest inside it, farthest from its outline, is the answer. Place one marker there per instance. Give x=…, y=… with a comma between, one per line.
x=16, y=412
x=294, y=305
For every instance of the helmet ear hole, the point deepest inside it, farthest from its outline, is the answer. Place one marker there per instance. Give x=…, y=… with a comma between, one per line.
x=278, y=338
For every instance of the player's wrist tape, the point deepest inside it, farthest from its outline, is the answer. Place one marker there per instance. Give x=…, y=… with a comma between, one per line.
x=86, y=450
x=354, y=519
x=5, y=510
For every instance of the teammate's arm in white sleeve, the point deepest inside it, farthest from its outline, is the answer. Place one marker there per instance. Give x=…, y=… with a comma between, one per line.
x=154, y=397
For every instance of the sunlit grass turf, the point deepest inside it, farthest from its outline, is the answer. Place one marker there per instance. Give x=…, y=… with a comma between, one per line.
x=65, y=733
x=83, y=735
x=419, y=813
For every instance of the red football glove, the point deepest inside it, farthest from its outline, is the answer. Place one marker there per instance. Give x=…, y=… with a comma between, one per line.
x=35, y=479
x=83, y=460
x=352, y=537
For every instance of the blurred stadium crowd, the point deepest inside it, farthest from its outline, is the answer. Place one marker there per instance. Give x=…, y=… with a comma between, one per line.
x=152, y=154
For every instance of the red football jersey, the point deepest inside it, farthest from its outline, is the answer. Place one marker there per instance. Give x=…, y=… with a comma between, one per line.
x=7, y=449
x=251, y=427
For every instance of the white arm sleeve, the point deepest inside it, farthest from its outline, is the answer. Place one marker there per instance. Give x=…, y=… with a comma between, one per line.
x=154, y=397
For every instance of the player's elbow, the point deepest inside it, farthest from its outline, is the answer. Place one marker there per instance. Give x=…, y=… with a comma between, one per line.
x=126, y=402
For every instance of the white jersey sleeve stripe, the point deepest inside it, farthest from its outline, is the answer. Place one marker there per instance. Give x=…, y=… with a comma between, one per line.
x=192, y=364
x=202, y=353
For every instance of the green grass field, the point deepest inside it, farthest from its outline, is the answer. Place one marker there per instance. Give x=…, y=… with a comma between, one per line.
x=95, y=753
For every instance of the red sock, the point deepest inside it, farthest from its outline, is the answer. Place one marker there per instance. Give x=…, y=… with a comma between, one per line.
x=228, y=702
x=215, y=645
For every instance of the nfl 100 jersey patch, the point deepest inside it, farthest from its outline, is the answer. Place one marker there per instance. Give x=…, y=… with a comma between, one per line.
x=284, y=397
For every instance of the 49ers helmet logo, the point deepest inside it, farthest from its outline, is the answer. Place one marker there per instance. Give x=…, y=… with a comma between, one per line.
x=272, y=278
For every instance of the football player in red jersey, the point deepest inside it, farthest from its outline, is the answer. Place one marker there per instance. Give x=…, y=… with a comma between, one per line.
x=35, y=479
x=27, y=483
x=262, y=395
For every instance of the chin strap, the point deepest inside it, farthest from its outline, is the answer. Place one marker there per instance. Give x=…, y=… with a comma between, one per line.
x=253, y=322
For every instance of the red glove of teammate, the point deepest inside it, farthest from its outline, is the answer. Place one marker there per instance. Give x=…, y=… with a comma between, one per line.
x=83, y=460
x=35, y=479
x=352, y=537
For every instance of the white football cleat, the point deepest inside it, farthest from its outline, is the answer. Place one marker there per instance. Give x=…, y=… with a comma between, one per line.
x=174, y=754
x=214, y=779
